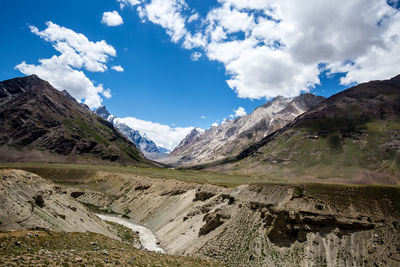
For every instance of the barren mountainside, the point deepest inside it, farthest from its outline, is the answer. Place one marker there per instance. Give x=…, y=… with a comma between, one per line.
x=232, y=136
x=40, y=123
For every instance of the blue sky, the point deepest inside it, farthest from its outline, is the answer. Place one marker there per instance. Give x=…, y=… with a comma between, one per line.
x=161, y=83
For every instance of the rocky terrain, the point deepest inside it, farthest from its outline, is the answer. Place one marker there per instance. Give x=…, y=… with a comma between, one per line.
x=28, y=201
x=232, y=136
x=145, y=144
x=43, y=224
x=353, y=134
x=261, y=224
x=38, y=248
x=40, y=123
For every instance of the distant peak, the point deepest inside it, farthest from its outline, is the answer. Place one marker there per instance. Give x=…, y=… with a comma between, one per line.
x=103, y=112
x=101, y=109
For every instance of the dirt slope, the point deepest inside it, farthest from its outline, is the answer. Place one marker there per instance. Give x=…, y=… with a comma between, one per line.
x=28, y=201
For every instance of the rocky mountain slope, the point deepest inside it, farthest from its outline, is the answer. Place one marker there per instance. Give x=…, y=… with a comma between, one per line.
x=145, y=144
x=355, y=133
x=40, y=123
x=232, y=136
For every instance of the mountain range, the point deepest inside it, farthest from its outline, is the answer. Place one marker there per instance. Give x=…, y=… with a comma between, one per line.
x=145, y=144
x=233, y=136
x=40, y=123
x=353, y=134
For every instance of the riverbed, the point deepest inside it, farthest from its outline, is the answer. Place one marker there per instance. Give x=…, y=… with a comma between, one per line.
x=147, y=239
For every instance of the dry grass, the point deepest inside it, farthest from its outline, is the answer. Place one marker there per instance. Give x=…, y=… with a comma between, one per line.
x=36, y=248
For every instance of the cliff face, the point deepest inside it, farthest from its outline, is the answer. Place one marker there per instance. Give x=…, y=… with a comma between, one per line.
x=40, y=123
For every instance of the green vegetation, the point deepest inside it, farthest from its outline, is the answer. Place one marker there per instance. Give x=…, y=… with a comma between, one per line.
x=126, y=234
x=325, y=150
x=77, y=173
x=86, y=129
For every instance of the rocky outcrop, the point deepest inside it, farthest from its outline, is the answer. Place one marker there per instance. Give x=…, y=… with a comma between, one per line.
x=212, y=221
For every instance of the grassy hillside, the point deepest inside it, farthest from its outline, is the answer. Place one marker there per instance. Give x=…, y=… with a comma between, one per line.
x=353, y=134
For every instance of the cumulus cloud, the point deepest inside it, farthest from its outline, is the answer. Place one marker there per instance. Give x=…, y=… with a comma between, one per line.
x=112, y=18
x=276, y=47
x=163, y=135
x=63, y=71
x=239, y=112
x=167, y=14
x=118, y=68
x=203, y=117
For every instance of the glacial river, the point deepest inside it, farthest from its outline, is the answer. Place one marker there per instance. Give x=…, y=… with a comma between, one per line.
x=147, y=239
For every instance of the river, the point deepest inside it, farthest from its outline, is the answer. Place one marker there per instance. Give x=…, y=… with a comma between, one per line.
x=147, y=239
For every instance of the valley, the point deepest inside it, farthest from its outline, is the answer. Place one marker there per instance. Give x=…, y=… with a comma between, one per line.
x=303, y=181
x=242, y=224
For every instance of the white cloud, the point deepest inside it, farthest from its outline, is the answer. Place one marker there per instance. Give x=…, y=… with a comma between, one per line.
x=196, y=56
x=162, y=135
x=63, y=71
x=203, y=117
x=214, y=124
x=239, y=112
x=75, y=48
x=193, y=41
x=106, y=93
x=118, y=68
x=167, y=14
x=123, y=3
x=232, y=20
x=112, y=18
x=275, y=47
x=193, y=17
